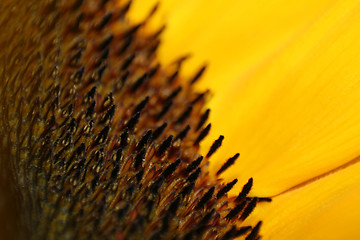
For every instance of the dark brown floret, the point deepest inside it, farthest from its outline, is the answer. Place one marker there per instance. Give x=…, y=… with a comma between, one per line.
x=226, y=188
x=203, y=134
x=228, y=163
x=245, y=191
x=216, y=145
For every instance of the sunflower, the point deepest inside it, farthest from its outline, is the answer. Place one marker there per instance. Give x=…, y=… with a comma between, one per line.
x=285, y=82
x=105, y=118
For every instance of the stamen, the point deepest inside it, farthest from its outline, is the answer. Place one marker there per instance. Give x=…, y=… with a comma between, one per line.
x=228, y=163
x=216, y=145
x=245, y=191
x=164, y=146
x=198, y=75
x=203, y=134
x=226, y=189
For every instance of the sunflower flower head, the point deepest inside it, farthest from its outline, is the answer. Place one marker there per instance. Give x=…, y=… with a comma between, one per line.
x=99, y=140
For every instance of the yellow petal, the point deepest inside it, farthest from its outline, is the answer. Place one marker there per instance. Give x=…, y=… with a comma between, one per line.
x=232, y=36
x=282, y=82
x=297, y=115
x=326, y=209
